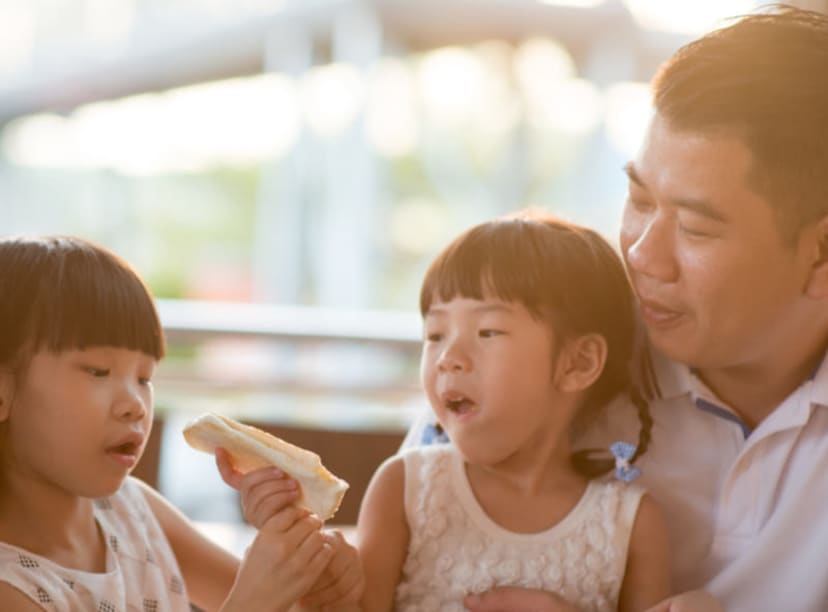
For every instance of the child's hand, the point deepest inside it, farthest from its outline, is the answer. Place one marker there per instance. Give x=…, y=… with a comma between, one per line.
x=264, y=492
x=342, y=581
x=515, y=599
x=284, y=561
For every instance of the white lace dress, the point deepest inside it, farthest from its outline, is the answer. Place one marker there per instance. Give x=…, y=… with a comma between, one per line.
x=142, y=574
x=455, y=549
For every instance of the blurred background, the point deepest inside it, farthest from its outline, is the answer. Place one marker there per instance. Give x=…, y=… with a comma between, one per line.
x=282, y=172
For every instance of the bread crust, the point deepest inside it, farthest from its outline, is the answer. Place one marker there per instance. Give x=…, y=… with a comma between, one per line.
x=251, y=448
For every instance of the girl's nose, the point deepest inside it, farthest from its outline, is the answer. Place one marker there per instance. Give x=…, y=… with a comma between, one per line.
x=454, y=359
x=131, y=406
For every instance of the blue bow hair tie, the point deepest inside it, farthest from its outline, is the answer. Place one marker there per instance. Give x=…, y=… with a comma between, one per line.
x=433, y=434
x=623, y=453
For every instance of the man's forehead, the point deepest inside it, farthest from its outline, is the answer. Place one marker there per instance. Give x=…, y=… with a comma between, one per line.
x=690, y=165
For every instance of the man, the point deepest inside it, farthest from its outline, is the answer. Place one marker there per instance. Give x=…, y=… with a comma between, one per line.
x=725, y=238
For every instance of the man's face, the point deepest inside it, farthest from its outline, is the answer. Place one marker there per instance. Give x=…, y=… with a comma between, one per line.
x=718, y=286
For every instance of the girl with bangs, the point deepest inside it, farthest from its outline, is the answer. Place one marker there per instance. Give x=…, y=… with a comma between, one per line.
x=79, y=342
x=529, y=332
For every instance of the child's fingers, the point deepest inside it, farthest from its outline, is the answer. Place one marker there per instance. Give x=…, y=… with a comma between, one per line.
x=315, y=554
x=267, y=497
x=343, y=579
x=344, y=588
x=229, y=474
x=283, y=521
x=255, y=479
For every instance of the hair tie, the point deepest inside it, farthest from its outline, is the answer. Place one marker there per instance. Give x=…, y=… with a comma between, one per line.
x=433, y=433
x=623, y=453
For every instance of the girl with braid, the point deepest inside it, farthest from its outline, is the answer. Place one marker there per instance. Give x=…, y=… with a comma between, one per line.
x=529, y=332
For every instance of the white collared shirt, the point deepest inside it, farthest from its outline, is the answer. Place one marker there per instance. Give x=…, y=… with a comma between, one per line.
x=747, y=510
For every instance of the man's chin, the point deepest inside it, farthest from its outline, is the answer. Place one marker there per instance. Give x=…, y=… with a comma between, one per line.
x=675, y=346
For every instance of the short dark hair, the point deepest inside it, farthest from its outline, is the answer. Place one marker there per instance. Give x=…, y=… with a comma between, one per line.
x=566, y=276
x=61, y=293
x=764, y=80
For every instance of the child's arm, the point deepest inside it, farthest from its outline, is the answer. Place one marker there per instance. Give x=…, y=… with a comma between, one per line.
x=647, y=577
x=382, y=535
x=282, y=563
x=12, y=599
x=208, y=569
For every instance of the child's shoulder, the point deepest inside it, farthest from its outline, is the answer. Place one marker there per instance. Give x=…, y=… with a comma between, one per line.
x=430, y=452
x=428, y=458
x=617, y=500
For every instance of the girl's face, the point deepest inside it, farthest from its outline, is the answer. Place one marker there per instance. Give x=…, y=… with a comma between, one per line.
x=487, y=369
x=79, y=419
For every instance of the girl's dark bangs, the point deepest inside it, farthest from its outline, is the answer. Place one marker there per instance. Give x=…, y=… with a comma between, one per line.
x=486, y=261
x=97, y=303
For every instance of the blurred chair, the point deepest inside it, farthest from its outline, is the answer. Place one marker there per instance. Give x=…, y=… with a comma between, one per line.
x=351, y=455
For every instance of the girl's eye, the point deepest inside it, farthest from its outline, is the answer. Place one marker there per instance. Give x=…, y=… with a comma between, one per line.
x=489, y=333
x=434, y=337
x=144, y=381
x=97, y=372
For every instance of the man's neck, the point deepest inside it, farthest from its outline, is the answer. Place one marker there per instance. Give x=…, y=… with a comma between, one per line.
x=754, y=391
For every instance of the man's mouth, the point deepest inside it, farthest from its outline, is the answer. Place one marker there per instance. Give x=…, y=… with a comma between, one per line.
x=655, y=313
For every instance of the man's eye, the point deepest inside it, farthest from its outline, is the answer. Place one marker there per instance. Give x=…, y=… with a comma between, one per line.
x=144, y=381
x=638, y=204
x=693, y=233
x=434, y=337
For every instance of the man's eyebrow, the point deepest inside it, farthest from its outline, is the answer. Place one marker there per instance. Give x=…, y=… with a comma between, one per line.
x=700, y=207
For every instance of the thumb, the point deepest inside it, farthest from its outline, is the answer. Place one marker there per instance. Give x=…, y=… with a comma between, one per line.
x=229, y=474
x=491, y=601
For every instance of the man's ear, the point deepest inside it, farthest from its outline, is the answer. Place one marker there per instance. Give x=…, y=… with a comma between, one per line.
x=580, y=363
x=6, y=393
x=816, y=286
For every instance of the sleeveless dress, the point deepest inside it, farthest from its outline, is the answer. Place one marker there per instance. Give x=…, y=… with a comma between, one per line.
x=455, y=549
x=142, y=574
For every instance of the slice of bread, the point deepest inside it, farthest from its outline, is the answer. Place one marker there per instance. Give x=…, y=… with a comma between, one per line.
x=250, y=448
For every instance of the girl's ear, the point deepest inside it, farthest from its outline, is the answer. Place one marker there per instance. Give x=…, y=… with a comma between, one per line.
x=580, y=363
x=816, y=286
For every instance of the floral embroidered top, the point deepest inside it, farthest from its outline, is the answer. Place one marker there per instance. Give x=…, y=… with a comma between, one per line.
x=455, y=549
x=142, y=575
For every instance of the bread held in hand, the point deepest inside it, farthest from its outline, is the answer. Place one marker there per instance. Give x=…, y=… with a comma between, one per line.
x=251, y=448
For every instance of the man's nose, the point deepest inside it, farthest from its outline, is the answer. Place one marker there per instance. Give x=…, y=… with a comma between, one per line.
x=651, y=249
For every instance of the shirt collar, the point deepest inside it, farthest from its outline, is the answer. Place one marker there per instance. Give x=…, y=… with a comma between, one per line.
x=674, y=379
x=819, y=391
